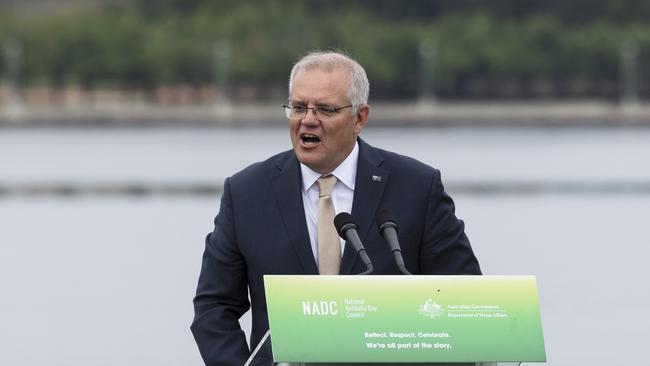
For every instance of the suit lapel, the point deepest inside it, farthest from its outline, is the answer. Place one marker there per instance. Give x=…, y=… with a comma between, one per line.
x=288, y=195
x=369, y=187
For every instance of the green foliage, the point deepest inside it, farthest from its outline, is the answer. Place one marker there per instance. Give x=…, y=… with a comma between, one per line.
x=148, y=43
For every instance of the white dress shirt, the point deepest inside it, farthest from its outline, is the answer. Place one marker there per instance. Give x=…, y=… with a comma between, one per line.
x=342, y=194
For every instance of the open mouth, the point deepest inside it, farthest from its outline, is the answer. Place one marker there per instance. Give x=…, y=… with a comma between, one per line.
x=309, y=139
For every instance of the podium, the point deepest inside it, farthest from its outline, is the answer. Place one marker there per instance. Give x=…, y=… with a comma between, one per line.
x=263, y=356
x=401, y=320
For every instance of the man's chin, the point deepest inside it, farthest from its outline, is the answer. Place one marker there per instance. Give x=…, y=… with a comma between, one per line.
x=310, y=160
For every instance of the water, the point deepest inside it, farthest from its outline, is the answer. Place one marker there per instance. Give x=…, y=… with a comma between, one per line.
x=208, y=155
x=108, y=279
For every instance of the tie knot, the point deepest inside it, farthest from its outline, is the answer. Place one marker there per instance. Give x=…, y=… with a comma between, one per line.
x=326, y=184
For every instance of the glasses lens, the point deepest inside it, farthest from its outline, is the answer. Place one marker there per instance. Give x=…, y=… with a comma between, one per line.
x=325, y=111
x=298, y=111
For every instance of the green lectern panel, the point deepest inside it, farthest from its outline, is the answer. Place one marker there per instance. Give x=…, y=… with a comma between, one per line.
x=404, y=318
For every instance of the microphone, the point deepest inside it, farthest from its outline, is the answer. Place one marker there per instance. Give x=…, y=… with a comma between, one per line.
x=347, y=229
x=388, y=229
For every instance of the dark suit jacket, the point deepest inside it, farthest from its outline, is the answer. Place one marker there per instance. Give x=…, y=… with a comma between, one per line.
x=261, y=229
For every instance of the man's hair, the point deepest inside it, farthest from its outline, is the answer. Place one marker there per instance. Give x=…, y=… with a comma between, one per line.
x=328, y=61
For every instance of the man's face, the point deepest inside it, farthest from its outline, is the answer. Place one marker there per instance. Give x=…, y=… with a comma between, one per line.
x=322, y=143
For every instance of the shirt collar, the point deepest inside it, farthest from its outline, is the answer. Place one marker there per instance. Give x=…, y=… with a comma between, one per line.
x=346, y=172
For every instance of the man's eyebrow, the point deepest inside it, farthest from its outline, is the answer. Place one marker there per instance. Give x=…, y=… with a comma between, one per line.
x=319, y=104
x=323, y=104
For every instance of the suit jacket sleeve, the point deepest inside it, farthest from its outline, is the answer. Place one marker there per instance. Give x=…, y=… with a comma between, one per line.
x=446, y=248
x=221, y=296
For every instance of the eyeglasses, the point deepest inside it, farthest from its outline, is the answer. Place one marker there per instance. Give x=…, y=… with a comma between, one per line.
x=300, y=111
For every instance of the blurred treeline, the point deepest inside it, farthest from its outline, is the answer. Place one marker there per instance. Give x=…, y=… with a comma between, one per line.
x=511, y=48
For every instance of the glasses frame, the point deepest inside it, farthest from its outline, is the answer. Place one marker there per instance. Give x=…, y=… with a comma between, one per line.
x=322, y=112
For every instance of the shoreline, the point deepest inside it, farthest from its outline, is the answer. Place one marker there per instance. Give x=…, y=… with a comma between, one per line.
x=587, y=113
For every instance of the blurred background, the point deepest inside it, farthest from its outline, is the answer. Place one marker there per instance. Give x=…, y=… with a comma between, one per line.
x=119, y=121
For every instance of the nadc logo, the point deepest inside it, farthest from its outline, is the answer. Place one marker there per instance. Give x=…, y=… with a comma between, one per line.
x=320, y=308
x=431, y=309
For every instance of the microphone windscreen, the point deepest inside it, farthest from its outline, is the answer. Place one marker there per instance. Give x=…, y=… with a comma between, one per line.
x=343, y=221
x=383, y=216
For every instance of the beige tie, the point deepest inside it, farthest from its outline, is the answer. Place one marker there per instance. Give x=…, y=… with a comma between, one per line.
x=329, y=248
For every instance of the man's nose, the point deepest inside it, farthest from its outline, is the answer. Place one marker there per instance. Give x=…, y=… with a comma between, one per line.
x=310, y=116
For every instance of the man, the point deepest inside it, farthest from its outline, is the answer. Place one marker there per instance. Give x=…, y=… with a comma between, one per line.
x=271, y=215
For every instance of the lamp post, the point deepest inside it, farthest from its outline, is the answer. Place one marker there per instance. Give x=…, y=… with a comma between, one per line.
x=222, y=55
x=12, y=53
x=427, y=53
x=630, y=74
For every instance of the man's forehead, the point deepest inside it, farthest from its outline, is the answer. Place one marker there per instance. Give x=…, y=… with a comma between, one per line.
x=319, y=84
x=336, y=74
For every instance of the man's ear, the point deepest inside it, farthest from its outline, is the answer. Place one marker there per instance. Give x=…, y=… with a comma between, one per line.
x=361, y=118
